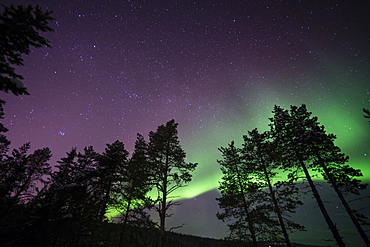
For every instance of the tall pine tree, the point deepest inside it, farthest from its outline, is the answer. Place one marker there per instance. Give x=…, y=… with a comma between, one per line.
x=259, y=152
x=286, y=128
x=240, y=193
x=109, y=173
x=69, y=206
x=135, y=186
x=169, y=171
x=303, y=146
x=331, y=163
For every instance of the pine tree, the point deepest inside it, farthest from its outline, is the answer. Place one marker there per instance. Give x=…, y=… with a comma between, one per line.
x=239, y=194
x=135, y=185
x=69, y=205
x=259, y=152
x=290, y=130
x=331, y=163
x=19, y=28
x=106, y=182
x=21, y=174
x=169, y=171
x=111, y=167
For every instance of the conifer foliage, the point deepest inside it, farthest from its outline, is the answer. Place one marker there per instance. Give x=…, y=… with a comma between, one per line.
x=132, y=196
x=169, y=169
x=249, y=200
x=19, y=28
x=258, y=150
x=314, y=151
x=297, y=145
x=71, y=206
x=240, y=193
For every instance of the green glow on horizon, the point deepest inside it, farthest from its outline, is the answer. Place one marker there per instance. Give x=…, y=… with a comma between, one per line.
x=345, y=121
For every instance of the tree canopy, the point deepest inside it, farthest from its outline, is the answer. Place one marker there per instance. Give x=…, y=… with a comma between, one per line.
x=20, y=27
x=298, y=146
x=169, y=171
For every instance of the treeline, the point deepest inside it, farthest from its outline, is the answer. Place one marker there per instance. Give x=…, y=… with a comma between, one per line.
x=259, y=185
x=46, y=206
x=41, y=205
x=66, y=205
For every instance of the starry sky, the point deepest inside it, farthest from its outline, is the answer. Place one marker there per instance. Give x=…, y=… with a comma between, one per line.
x=117, y=68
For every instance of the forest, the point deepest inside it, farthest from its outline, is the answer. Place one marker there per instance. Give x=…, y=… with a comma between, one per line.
x=72, y=203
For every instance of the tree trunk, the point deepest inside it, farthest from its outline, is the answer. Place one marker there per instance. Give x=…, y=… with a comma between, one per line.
x=249, y=219
x=330, y=223
x=100, y=214
x=344, y=202
x=125, y=221
x=276, y=206
x=162, y=229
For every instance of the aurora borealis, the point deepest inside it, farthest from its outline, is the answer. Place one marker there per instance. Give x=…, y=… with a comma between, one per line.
x=118, y=68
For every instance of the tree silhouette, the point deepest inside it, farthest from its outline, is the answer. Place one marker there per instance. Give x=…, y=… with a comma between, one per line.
x=249, y=199
x=169, y=171
x=19, y=28
x=135, y=185
x=239, y=193
x=259, y=151
x=81, y=191
x=21, y=174
x=110, y=172
x=332, y=165
x=108, y=177
x=69, y=205
x=303, y=145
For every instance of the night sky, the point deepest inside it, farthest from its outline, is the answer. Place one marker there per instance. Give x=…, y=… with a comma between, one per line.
x=117, y=68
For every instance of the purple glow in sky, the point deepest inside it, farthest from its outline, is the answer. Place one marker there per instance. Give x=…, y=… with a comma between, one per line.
x=117, y=68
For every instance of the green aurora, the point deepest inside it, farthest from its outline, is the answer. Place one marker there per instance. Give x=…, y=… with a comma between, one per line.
x=345, y=121
x=118, y=68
